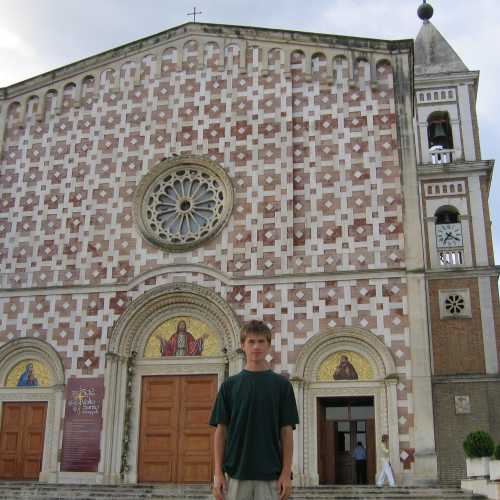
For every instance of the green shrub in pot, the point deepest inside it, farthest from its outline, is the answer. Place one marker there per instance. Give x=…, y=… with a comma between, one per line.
x=479, y=444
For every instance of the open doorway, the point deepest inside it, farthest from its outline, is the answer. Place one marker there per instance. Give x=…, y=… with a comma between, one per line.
x=342, y=424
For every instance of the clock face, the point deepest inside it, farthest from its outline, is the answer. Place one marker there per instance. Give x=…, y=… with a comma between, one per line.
x=449, y=235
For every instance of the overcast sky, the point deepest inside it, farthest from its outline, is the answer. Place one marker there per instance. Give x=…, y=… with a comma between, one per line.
x=40, y=35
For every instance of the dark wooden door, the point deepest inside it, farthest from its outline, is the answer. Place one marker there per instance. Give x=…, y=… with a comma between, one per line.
x=344, y=463
x=326, y=447
x=21, y=440
x=371, y=459
x=175, y=439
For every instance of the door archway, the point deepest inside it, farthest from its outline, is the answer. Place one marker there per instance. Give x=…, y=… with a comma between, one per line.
x=37, y=402
x=141, y=357
x=377, y=382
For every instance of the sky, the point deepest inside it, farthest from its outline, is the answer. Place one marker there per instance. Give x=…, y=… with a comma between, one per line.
x=40, y=35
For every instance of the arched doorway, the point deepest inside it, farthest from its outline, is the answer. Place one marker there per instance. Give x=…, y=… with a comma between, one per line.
x=167, y=356
x=346, y=390
x=31, y=396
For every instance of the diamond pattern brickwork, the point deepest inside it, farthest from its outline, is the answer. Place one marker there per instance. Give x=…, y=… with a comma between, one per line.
x=314, y=165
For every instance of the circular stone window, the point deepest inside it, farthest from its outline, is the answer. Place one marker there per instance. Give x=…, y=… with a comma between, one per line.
x=454, y=304
x=182, y=202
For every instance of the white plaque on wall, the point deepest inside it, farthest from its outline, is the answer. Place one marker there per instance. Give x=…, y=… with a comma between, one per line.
x=462, y=405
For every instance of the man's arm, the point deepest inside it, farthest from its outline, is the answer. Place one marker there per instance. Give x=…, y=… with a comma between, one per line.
x=285, y=479
x=220, y=487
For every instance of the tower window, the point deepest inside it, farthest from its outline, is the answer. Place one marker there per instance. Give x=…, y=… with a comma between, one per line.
x=446, y=215
x=439, y=130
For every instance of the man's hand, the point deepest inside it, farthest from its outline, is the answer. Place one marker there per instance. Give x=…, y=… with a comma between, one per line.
x=284, y=486
x=220, y=487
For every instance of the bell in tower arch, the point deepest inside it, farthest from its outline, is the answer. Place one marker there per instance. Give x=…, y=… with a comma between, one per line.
x=439, y=131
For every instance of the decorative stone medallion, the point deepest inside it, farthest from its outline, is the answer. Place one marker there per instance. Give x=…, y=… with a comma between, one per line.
x=182, y=202
x=454, y=304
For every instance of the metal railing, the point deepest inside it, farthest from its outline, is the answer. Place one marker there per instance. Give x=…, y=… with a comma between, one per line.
x=451, y=258
x=441, y=156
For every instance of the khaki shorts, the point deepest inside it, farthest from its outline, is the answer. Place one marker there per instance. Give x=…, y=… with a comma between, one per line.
x=251, y=490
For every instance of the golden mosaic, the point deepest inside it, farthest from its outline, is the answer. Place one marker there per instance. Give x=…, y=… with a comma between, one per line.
x=183, y=336
x=345, y=365
x=29, y=373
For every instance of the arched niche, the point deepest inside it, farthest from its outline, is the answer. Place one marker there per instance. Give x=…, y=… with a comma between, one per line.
x=212, y=55
x=384, y=72
x=126, y=363
x=320, y=347
x=439, y=130
x=275, y=59
x=318, y=65
x=30, y=349
x=147, y=312
x=310, y=389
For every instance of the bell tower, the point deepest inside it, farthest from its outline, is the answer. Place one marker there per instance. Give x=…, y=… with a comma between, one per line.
x=462, y=279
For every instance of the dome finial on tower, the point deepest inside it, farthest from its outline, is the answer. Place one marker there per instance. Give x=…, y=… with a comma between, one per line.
x=425, y=11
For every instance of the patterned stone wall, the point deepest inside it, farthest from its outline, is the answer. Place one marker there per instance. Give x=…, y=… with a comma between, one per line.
x=313, y=162
x=315, y=239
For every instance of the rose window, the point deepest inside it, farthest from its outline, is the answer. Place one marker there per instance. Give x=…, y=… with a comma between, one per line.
x=183, y=202
x=454, y=304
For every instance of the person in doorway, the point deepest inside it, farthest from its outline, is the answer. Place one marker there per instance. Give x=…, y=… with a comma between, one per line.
x=254, y=414
x=359, y=455
x=386, y=471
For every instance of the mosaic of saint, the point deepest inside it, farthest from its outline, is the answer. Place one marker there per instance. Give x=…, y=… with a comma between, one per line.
x=182, y=336
x=28, y=373
x=345, y=365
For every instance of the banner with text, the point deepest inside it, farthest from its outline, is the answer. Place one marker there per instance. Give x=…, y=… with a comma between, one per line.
x=82, y=425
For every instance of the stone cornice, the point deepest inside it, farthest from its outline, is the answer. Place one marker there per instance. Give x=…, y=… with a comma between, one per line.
x=201, y=269
x=462, y=272
x=444, y=78
x=430, y=171
x=464, y=379
x=205, y=30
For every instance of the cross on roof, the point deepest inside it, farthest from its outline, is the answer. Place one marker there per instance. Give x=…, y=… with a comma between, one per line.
x=194, y=13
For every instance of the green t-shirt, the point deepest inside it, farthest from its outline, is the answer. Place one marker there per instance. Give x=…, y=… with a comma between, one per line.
x=254, y=406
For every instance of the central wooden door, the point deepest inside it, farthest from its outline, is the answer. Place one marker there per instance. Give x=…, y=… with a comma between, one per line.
x=21, y=440
x=175, y=438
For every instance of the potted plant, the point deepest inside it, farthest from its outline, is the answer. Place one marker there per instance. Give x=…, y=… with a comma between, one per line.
x=495, y=465
x=478, y=447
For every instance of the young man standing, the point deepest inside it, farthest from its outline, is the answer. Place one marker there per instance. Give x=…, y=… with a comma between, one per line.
x=254, y=415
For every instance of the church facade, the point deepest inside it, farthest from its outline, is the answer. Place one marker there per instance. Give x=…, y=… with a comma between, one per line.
x=158, y=195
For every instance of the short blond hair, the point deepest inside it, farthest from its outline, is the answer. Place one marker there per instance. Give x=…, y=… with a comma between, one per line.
x=256, y=327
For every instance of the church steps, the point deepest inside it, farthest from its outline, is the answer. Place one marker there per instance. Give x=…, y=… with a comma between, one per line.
x=43, y=491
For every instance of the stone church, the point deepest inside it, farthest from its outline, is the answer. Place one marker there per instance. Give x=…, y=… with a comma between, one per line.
x=156, y=196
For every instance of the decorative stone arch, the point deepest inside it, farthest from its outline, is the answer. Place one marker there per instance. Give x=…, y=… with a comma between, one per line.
x=11, y=354
x=319, y=347
x=308, y=389
x=126, y=364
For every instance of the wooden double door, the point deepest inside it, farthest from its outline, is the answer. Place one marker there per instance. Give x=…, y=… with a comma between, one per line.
x=175, y=438
x=21, y=440
x=342, y=424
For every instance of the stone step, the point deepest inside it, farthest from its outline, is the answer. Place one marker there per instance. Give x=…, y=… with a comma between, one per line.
x=43, y=491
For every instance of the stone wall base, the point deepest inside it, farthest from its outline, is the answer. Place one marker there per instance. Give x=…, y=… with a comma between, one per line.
x=490, y=489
